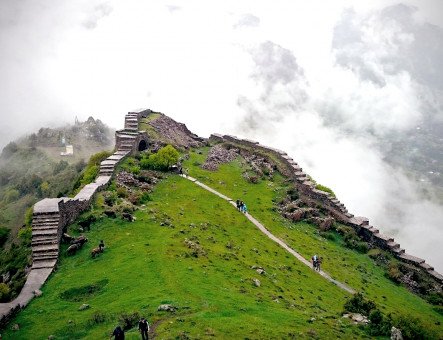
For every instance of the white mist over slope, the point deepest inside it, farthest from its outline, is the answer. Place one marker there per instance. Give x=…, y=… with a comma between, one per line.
x=326, y=81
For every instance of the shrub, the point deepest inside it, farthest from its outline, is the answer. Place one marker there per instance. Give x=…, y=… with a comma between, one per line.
x=412, y=328
x=394, y=272
x=129, y=320
x=97, y=318
x=9, y=150
x=325, y=189
x=28, y=216
x=162, y=160
x=359, y=304
x=4, y=234
x=25, y=234
x=11, y=196
x=59, y=167
x=380, y=325
x=122, y=192
x=110, y=197
x=293, y=194
x=4, y=292
x=134, y=169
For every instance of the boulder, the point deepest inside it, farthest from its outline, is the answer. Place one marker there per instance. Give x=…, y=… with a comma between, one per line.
x=167, y=308
x=84, y=306
x=38, y=293
x=396, y=334
x=256, y=282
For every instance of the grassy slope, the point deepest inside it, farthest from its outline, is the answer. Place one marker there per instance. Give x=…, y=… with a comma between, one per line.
x=346, y=265
x=146, y=265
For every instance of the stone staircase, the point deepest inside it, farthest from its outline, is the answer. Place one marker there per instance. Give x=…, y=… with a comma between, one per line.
x=131, y=122
x=45, y=234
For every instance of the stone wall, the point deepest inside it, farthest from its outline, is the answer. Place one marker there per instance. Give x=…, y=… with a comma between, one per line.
x=289, y=168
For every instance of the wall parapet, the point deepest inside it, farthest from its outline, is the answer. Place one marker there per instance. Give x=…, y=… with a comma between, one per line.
x=291, y=169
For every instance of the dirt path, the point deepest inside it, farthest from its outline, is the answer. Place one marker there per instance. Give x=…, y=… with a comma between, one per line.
x=273, y=237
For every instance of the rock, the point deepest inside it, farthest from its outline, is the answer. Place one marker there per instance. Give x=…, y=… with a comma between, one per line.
x=396, y=334
x=256, y=282
x=84, y=306
x=167, y=308
x=218, y=155
x=261, y=271
x=51, y=337
x=327, y=224
x=15, y=327
x=38, y=293
x=358, y=318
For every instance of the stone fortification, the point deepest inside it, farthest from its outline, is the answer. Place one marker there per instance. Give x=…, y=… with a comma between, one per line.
x=288, y=167
x=52, y=215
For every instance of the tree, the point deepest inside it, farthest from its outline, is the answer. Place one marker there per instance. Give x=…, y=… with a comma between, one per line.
x=162, y=160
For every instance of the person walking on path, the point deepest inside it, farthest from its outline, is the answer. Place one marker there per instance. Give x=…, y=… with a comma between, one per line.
x=118, y=333
x=101, y=245
x=143, y=327
x=244, y=208
x=314, y=261
x=238, y=205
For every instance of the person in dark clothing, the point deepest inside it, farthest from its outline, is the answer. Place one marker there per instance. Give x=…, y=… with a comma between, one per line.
x=101, y=245
x=118, y=333
x=238, y=204
x=143, y=327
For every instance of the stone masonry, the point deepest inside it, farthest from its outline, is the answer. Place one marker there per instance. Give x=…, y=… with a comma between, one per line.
x=52, y=215
x=287, y=166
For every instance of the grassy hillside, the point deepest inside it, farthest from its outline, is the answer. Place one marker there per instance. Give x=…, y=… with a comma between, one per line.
x=193, y=250
x=146, y=264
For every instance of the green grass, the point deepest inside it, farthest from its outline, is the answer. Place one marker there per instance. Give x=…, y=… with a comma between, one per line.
x=351, y=267
x=146, y=264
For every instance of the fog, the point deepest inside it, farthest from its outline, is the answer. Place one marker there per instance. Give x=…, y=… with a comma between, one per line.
x=329, y=82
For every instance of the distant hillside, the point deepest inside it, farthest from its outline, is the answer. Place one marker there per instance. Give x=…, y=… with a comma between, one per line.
x=32, y=168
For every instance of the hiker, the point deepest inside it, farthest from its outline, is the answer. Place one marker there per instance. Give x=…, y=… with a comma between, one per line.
x=244, y=208
x=101, y=245
x=314, y=261
x=118, y=333
x=238, y=205
x=143, y=327
x=241, y=206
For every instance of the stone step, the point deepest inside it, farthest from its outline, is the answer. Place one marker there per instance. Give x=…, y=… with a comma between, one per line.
x=44, y=227
x=127, y=137
x=106, y=173
x=44, y=249
x=45, y=238
x=45, y=256
x=45, y=219
x=44, y=242
x=39, y=223
x=393, y=245
x=348, y=215
x=426, y=266
x=398, y=251
x=46, y=214
x=44, y=264
x=107, y=166
x=44, y=232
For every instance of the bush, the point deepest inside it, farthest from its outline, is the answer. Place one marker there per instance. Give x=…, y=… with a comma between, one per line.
x=110, y=197
x=5, y=292
x=129, y=320
x=162, y=160
x=358, y=304
x=28, y=216
x=59, y=167
x=4, y=234
x=325, y=189
x=412, y=328
x=9, y=150
x=394, y=272
x=97, y=318
x=293, y=194
x=380, y=325
x=11, y=196
x=25, y=234
x=122, y=192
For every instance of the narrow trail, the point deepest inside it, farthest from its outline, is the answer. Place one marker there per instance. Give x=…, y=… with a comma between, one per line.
x=272, y=236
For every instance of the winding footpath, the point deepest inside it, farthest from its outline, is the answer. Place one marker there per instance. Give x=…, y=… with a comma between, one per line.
x=272, y=236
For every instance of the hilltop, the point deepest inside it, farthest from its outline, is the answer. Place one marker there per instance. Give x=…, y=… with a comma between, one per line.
x=171, y=242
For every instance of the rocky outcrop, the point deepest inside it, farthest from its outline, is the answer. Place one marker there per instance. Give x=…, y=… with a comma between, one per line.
x=218, y=155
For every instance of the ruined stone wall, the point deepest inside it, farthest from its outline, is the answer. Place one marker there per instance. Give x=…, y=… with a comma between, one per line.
x=289, y=168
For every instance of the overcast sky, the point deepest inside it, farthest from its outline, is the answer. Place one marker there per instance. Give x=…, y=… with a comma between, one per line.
x=322, y=80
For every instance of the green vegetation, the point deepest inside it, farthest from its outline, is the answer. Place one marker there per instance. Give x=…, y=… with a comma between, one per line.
x=193, y=250
x=325, y=189
x=162, y=160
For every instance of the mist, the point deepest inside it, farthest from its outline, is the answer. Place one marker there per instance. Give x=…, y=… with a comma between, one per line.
x=330, y=83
